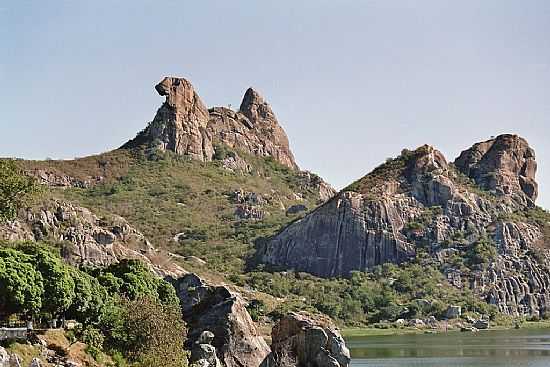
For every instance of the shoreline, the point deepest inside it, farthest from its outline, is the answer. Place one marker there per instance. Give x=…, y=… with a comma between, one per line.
x=392, y=331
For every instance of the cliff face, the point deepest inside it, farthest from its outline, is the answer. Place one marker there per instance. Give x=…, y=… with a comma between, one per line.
x=505, y=165
x=87, y=239
x=185, y=126
x=419, y=200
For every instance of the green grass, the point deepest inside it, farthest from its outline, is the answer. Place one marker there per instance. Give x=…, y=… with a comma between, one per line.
x=171, y=194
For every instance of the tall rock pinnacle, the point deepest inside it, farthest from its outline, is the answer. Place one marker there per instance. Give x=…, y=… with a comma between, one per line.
x=254, y=129
x=505, y=164
x=180, y=123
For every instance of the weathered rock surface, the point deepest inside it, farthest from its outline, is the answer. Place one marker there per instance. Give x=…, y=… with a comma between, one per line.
x=180, y=123
x=253, y=129
x=219, y=310
x=505, y=165
x=204, y=353
x=185, y=126
x=310, y=341
x=421, y=199
x=87, y=239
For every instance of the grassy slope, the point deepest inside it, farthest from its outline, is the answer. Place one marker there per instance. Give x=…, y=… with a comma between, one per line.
x=169, y=195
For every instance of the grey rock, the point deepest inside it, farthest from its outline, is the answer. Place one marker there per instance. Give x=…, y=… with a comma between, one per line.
x=505, y=164
x=295, y=209
x=481, y=324
x=311, y=341
x=453, y=312
x=88, y=240
x=223, y=312
x=4, y=357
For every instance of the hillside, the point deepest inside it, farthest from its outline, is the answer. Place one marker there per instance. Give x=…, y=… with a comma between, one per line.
x=212, y=200
x=208, y=198
x=474, y=220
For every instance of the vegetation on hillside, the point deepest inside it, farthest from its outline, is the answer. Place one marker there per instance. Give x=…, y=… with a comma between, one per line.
x=388, y=293
x=16, y=189
x=118, y=307
x=163, y=195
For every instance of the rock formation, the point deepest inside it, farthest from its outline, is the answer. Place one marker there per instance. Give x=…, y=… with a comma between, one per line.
x=87, y=239
x=421, y=199
x=309, y=341
x=203, y=353
x=180, y=123
x=254, y=129
x=185, y=126
x=505, y=165
x=219, y=310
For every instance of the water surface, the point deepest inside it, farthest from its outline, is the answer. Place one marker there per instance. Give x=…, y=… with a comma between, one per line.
x=502, y=348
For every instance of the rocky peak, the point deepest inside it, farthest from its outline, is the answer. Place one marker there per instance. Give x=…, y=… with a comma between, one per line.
x=184, y=125
x=182, y=99
x=254, y=129
x=180, y=123
x=254, y=107
x=424, y=160
x=505, y=164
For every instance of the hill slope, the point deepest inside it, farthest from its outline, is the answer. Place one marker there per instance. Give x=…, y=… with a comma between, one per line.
x=483, y=231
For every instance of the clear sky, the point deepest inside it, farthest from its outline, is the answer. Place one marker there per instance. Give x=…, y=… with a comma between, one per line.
x=352, y=82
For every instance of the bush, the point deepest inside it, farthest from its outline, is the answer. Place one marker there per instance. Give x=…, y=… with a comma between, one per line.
x=147, y=332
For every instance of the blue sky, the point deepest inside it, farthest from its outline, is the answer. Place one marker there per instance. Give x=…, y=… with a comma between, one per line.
x=352, y=82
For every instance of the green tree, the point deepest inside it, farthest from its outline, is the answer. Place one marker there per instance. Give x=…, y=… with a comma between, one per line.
x=90, y=299
x=16, y=189
x=21, y=285
x=147, y=332
x=132, y=279
x=59, y=287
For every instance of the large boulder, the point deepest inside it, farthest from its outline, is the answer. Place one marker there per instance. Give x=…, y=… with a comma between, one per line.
x=505, y=165
x=222, y=312
x=307, y=341
x=204, y=353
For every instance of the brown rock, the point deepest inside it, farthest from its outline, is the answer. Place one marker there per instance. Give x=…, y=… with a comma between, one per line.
x=505, y=164
x=313, y=341
x=180, y=123
x=253, y=129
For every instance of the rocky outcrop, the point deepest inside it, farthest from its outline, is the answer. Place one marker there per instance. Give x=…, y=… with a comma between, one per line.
x=253, y=129
x=505, y=165
x=180, y=123
x=419, y=199
x=87, y=239
x=309, y=341
x=222, y=312
x=185, y=126
x=203, y=353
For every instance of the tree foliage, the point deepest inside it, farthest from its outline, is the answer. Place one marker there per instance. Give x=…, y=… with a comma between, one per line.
x=21, y=285
x=148, y=332
x=16, y=189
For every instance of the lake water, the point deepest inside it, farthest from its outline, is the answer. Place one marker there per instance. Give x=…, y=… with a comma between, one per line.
x=502, y=348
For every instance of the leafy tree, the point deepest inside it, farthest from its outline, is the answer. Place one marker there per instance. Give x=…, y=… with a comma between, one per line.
x=91, y=297
x=15, y=189
x=59, y=286
x=482, y=252
x=21, y=285
x=148, y=332
x=132, y=279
